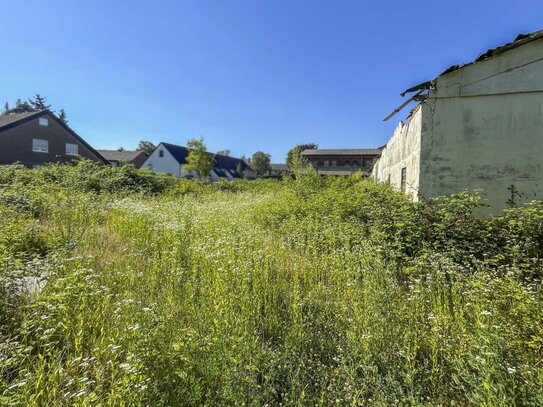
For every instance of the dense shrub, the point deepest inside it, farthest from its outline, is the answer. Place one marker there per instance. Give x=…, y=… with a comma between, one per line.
x=309, y=291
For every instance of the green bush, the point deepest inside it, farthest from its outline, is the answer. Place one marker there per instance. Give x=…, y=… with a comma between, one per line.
x=123, y=287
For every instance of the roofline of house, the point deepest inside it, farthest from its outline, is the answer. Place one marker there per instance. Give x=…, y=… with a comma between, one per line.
x=28, y=118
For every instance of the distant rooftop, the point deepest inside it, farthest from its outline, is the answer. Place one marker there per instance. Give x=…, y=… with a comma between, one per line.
x=343, y=151
x=279, y=167
x=9, y=118
x=115, y=155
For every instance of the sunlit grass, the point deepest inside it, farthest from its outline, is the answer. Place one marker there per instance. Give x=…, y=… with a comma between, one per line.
x=305, y=292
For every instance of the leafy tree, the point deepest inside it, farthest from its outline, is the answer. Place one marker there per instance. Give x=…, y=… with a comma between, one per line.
x=199, y=160
x=296, y=151
x=261, y=162
x=239, y=170
x=224, y=152
x=6, y=108
x=146, y=146
x=39, y=102
x=62, y=116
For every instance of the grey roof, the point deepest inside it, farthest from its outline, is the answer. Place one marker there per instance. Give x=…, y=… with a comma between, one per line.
x=342, y=151
x=10, y=118
x=279, y=167
x=115, y=155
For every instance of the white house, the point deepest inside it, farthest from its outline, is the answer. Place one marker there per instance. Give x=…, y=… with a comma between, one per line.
x=170, y=158
x=477, y=126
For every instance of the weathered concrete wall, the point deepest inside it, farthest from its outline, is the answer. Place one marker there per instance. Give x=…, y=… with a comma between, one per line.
x=402, y=151
x=484, y=129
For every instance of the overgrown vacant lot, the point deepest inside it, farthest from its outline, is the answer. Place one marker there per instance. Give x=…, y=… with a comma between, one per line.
x=120, y=287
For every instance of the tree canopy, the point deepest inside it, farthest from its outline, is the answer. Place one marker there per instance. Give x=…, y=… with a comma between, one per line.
x=294, y=153
x=146, y=146
x=35, y=104
x=261, y=162
x=199, y=160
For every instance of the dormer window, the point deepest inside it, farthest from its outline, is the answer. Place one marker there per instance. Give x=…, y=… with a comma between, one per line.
x=161, y=153
x=43, y=121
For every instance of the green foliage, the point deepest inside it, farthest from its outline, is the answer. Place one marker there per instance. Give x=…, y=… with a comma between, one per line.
x=39, y=102
x=261, y=162
x=199, y=160
x=62, y=116
x=124, y=287
x=293, y=154
x=146, y=146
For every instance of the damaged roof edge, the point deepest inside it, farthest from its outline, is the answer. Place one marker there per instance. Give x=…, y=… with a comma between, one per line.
x=423, y=86
x=519, y=40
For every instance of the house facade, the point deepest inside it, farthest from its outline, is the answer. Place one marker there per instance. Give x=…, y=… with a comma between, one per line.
x=341, y=161
x=278, y=170
x=170, y=158
x=478, y=126
x=118, y=158
x=38, y=138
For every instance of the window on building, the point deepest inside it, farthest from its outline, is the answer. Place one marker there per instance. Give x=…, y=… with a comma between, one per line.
x=333, y=163
x=161, y=153
x=150, y=165
x=347, y=163
x=40, y=146
x=326, y=163
x=43, y=121
x=72, y=149
x=403, y=179
x=355, y=163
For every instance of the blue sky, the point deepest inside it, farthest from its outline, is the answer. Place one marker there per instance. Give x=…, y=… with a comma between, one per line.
x=247, y=75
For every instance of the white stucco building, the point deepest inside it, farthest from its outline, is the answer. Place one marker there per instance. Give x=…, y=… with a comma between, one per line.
x=170, y=158
x=478, y=126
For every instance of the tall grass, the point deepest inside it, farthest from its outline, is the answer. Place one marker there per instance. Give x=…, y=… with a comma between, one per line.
x=302, y=292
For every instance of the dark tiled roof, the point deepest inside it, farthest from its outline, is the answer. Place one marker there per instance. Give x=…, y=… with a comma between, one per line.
x=115, y=155
x=343, y=151
x=222, y=162
x=178, y=152
x=229, y=163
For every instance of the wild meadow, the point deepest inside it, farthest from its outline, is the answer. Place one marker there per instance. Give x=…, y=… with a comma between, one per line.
x=121, y=287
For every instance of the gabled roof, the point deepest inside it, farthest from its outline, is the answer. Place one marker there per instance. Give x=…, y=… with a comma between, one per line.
x=125, y=156
x=342, y=151
x=222, y=162
x=178, y=152
x=229, y=163
x=16, y=119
